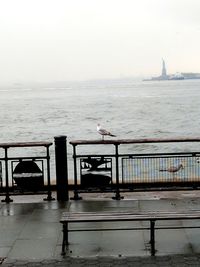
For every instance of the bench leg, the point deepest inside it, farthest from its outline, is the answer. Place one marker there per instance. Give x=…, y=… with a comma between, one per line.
x=65, y=238
x=152, y=237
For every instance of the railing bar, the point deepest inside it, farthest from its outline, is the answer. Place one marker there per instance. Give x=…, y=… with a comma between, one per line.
x=156, y=155
x=134, y=141
x=25, y=144
x=17, y=158
x=94, y=155
x=132, y=228
x=184, y=154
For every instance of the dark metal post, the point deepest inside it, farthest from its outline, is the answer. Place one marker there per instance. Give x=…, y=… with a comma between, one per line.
x=65, y=242
x=76, y=196
x=61, y=168
x=7, y=198
x=49, y=195
x=152, y=237
x=117, y=195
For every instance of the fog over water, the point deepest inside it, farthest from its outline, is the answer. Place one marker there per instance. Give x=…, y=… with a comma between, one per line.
x=52, y=40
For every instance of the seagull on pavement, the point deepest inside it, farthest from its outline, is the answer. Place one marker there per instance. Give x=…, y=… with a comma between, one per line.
x=103, y=132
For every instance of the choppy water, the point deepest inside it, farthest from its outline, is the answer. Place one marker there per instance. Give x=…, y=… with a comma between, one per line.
x=129, y=109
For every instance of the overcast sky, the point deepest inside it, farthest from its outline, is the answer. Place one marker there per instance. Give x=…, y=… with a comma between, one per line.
x=60, y=40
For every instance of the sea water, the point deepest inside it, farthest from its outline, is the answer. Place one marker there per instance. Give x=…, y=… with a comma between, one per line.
x=127, y=108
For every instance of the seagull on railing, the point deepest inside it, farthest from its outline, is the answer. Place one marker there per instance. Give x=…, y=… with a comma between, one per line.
x=103, y=132
x=172, y=169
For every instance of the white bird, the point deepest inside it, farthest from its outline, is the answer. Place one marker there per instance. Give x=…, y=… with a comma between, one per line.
x=173, y=168
x=103, y=132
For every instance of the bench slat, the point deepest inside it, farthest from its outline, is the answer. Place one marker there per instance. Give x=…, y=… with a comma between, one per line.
x=127, y=216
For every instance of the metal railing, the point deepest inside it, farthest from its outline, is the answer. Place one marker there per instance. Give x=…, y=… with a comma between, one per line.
x=118, y=171
x=6, y=182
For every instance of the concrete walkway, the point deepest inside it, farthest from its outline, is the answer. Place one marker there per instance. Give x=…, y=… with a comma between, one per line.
x=31, y=235
x=158, y=261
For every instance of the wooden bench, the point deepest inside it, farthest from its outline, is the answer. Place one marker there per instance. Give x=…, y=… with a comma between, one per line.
x=119, y=216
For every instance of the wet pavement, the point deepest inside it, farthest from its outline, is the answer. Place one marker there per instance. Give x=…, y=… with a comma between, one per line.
x=158, y=261
x=31, y=234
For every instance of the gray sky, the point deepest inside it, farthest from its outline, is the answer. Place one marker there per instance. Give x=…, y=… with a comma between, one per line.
x=60, y=40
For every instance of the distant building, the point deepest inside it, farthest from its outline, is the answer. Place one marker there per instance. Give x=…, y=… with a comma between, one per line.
x=191, y=75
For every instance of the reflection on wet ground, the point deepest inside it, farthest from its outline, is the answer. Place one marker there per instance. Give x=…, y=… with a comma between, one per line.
x=30, y=227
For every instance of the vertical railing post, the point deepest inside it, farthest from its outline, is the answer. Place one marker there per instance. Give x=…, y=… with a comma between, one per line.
x=7, y=198
x=117, y=194
x=76, y=196
x=152, y=237
x=61, y=168
x=49, y=193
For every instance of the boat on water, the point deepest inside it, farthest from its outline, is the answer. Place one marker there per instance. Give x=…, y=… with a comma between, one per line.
x=176, y=76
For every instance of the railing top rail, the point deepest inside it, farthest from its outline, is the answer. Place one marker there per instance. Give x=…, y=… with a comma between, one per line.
x=135, y=141
x=25, y=144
